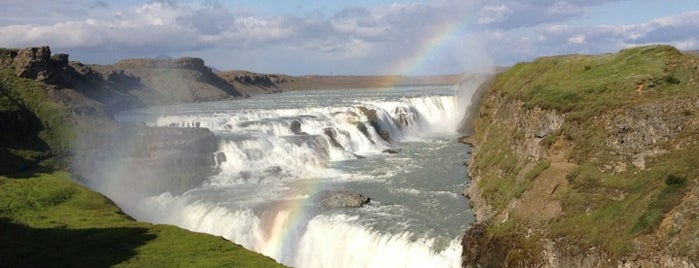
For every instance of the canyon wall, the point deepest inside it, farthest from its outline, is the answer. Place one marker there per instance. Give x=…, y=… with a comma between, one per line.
x=588, y=161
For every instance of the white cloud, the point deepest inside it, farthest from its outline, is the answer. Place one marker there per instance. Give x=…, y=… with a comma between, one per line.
x=366, y=39
x=577, y=39
x=491, y=14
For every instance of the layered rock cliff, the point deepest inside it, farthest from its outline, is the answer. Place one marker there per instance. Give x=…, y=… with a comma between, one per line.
x=53, y=108
x=588, y=161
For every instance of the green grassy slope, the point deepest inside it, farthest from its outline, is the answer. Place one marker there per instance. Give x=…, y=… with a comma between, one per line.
x=33, y=127
x=46, y=220
x=609, y=203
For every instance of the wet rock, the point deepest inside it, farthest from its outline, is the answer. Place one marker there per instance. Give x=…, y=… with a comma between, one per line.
x=373, y=119
x=390, y=151
x=332, y=137
x=340, y=199
x=362, y=128
x=405, y=117
x=296, y=128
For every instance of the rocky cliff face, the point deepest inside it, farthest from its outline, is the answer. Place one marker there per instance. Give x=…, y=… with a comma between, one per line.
x=250, y=83
x=150, y=160
x=166, y=81
x=126, y=84
x=598, y=175
x=55, y=108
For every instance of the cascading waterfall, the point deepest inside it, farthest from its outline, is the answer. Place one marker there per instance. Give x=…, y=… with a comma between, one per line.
x=276, y=152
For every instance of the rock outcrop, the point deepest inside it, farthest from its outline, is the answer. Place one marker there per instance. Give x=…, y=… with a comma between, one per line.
x=571, y=167
x=152, y=160
x=34, y=63
x=340, y=199
x=250, y=83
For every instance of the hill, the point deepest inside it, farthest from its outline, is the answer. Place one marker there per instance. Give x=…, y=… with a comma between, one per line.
x=588, y=161
x=56, y=116
x=255, y=83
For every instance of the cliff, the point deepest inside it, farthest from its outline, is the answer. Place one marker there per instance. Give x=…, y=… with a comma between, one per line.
x=588, y=161
x=56, y=117
x=166, y=81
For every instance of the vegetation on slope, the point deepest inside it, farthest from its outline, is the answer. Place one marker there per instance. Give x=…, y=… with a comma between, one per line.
x=46, y=220
x=623, y=159
x=34, y=127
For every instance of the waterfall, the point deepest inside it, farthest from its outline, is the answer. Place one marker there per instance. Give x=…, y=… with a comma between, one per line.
x=273, y=155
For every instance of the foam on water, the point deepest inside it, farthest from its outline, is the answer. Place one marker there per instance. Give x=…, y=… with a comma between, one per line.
x=281, y=150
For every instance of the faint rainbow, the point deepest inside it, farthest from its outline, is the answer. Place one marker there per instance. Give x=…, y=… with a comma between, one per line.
x=297, y=214
x=429, y=47
x=291, y=219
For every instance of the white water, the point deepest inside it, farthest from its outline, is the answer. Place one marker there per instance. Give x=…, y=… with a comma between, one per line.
x=260, y=199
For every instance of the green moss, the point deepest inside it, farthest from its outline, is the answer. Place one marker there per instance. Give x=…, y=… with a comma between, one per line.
x=608, y=210
x=38, y=127
x=668, y=198
x=603, y=207
x=49, y=221
x=537, y=169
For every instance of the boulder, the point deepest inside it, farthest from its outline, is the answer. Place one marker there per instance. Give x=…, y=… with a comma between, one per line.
x=332, y=137
x=296, y=127
x=340, y=199
x=373, y=119
x=390, y=151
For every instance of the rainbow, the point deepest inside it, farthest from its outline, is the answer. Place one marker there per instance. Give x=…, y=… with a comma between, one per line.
x=294, y=215
x=289, y=219
x=428, y=49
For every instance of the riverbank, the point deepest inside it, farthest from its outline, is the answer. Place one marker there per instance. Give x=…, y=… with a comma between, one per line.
x=587, y=161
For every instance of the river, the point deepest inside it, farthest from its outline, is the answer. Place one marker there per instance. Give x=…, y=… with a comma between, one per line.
x=281, y=149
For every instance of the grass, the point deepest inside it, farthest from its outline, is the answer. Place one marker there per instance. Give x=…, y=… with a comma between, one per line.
x=46, y=220
x=608, y=210
x=37, y=127
x=602, y=208
x=585, y=86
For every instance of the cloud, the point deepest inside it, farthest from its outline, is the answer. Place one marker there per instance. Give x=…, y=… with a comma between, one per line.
x=680, y=31
x=492, y=14
x=440, y=35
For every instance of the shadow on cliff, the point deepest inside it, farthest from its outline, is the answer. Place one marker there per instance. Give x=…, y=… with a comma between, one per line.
x=23, y=246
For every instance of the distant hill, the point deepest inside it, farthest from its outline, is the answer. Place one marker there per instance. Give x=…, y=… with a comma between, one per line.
x=256, y=83
x=693, y=52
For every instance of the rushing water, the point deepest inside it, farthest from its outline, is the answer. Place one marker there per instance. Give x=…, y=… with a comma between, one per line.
x=261, y=199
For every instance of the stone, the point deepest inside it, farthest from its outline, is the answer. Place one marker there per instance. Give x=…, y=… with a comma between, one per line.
x=341, y=199
x=390, y=151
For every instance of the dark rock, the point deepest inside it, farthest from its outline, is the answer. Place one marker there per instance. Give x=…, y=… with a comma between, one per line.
x=481, y=251
x=362, y=128
x=296, y=127
x=373, y=120
x=220, y=157
x=332, y=137
x=340, y=199
x=390, y=151
x=60, y=58
x=465, y=140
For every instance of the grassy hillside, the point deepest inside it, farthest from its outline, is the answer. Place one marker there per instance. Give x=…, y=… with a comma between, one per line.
x=46, y=220
x=597, y=153
x=34, y=127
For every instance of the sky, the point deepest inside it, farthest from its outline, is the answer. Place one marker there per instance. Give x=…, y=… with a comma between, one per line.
x=346, y=37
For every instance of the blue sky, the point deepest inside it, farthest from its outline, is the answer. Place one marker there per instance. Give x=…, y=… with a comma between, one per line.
x=346, y=37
